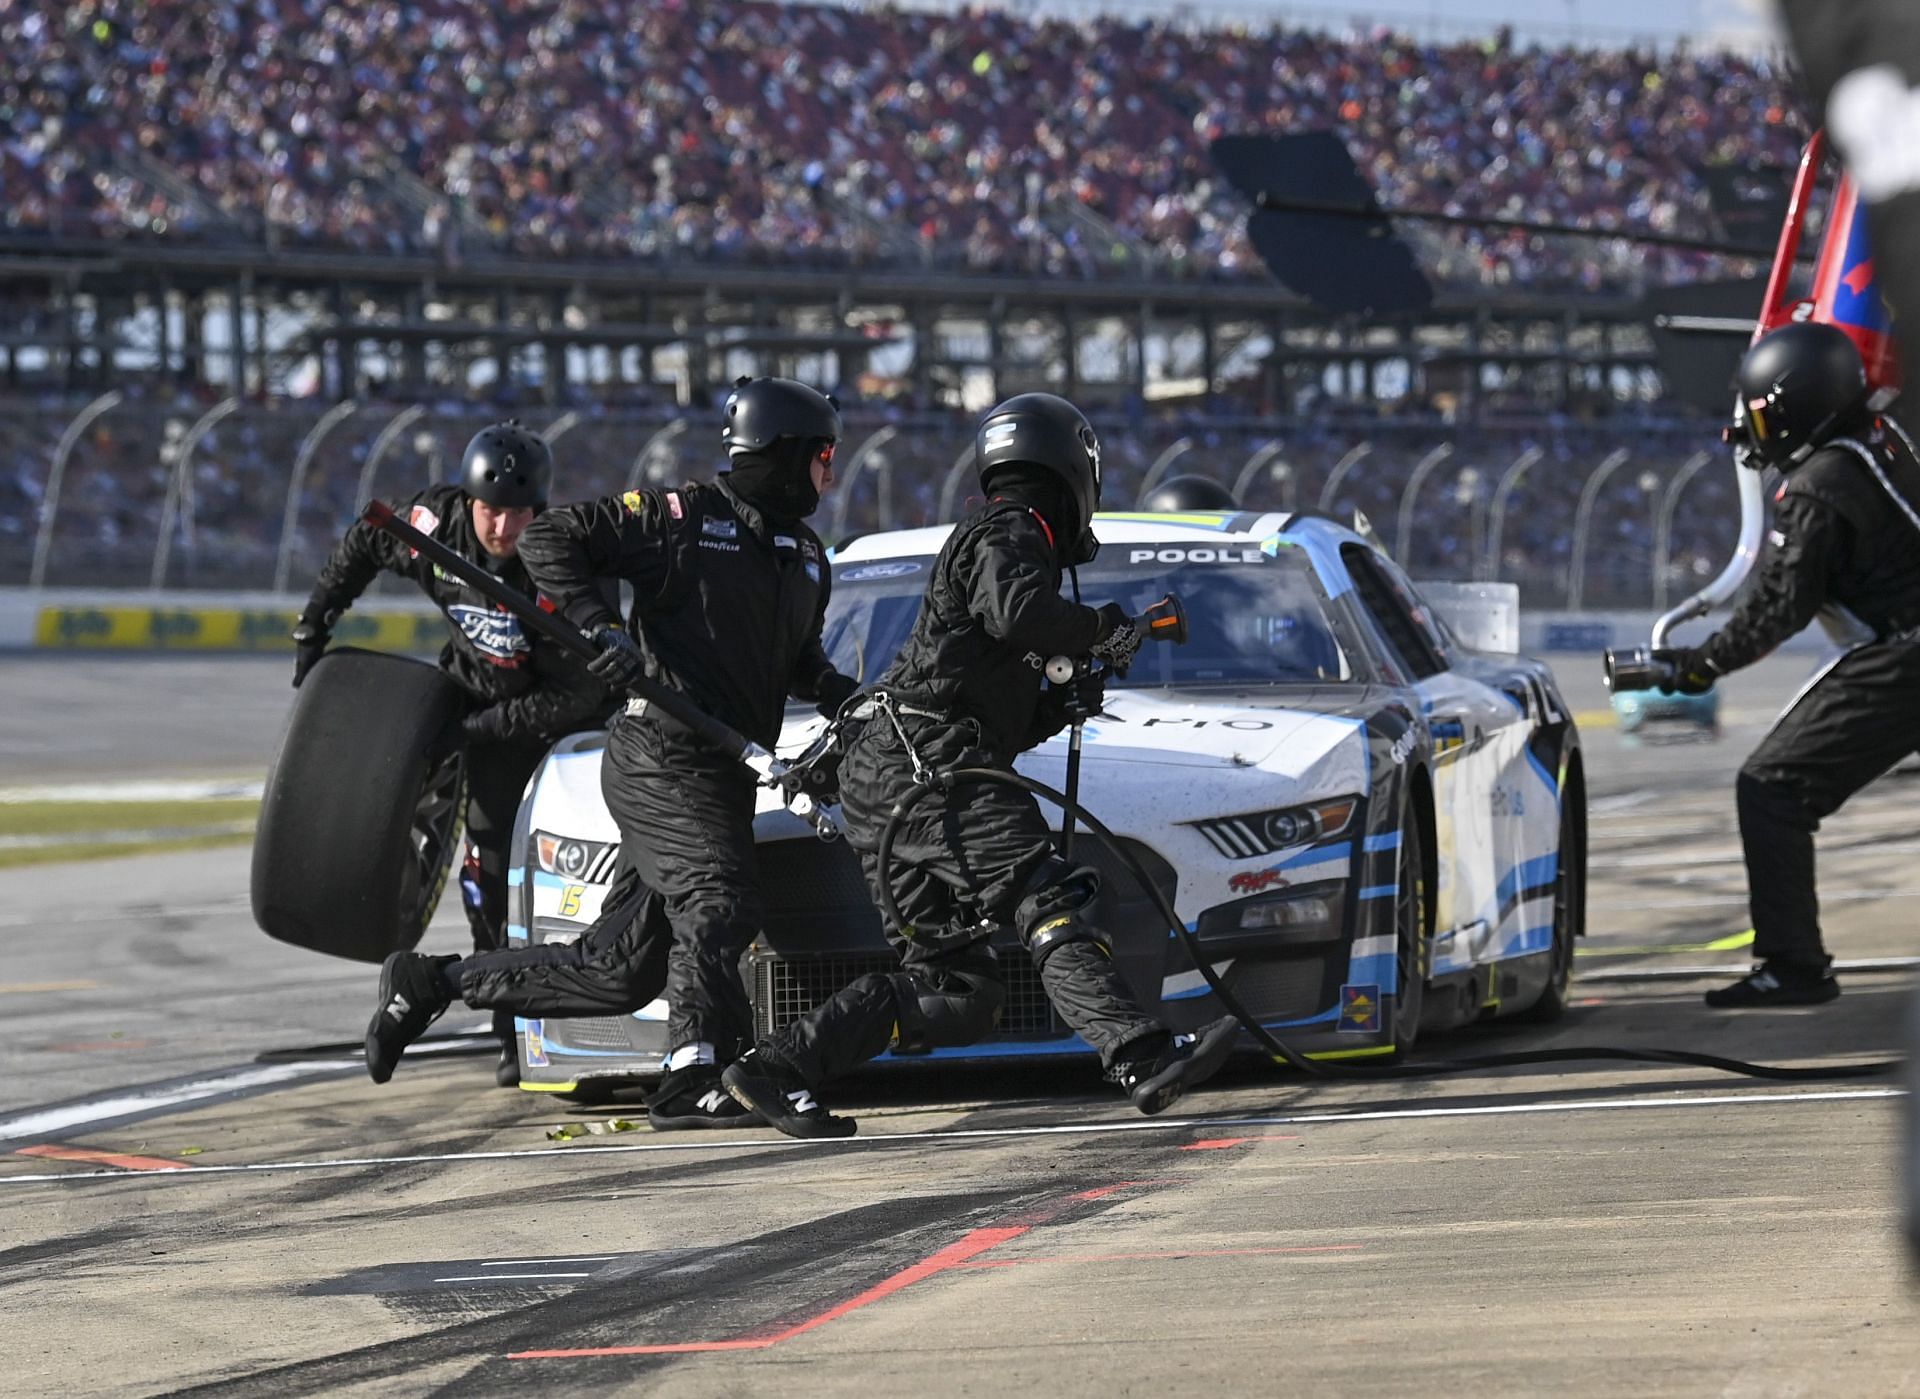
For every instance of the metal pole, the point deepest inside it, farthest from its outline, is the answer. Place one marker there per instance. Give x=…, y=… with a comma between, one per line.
x=1663, y=531
x=302, y=463
x=562, y=425
x=950, y=487
x=854, y=468
x=1355, y=455
x=1583, y=518
x=1403, y=527
x=1181, y=446
x=401, y=421
x=1502, y=493
x=176, y=484
x=1261, y=456
x=654, y=443
x=56, y=474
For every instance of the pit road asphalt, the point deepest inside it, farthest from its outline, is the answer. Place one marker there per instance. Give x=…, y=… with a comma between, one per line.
x=168, y=1223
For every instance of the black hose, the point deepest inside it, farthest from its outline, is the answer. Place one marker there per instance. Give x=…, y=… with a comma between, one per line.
x=1278, y=1049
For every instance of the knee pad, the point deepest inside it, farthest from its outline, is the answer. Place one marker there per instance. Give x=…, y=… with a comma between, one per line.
x=948, y=1007
x=1056, y=887
x=1056, y=932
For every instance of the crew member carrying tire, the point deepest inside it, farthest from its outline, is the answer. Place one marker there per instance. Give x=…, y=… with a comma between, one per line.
x=1846, y=534
x=730, y=591
x=521, y=695
x=966, y=692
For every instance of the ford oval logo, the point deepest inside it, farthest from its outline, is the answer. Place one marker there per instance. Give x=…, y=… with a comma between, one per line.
x=893, y=568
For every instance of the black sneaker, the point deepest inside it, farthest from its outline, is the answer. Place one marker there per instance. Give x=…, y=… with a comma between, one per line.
x=692, y=1098
x=506, y=1072
x=779, y=1096
x=1776, y=984
x=412, y=996
x=1156, y=1082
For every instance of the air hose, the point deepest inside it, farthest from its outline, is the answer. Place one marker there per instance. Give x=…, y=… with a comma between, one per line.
x=1275, y=1047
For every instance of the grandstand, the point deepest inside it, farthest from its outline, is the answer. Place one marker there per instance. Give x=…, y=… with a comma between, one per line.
x=596, y=213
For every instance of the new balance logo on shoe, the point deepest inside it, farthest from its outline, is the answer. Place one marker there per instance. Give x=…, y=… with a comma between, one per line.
x=713, y=1100
x=802, y=1101
x=398, y=1007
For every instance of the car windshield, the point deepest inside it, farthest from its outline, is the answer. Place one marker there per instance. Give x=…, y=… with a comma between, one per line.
x=1255, y=616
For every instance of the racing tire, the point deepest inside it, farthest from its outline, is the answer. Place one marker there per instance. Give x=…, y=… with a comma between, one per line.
x=1569, y=912
x=1412, y=944
x=361, y=817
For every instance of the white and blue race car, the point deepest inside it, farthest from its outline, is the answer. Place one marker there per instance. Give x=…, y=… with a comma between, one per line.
x=1369, y=828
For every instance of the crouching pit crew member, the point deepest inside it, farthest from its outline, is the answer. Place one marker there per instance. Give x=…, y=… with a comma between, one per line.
x=524, y=694
x=966, y=691
x=730, y=590
x=1846, y=535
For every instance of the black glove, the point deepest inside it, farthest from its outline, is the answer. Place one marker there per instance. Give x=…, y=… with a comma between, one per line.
x=1085, y=695
x=309, y=645
x=620, y=664
x=1119, y=639
x=1693, y=673
x=834, y=690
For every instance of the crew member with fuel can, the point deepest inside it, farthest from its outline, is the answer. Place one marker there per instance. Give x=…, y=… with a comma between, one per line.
x=966, y=692
x=729, y=594
x=1846, y=536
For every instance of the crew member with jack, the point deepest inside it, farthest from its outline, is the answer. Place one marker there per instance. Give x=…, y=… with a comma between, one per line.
x=730, y=589
x=966, y=692
x=1846, y=534
x=524, y=693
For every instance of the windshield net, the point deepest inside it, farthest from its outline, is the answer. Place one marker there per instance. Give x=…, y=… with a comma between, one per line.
x=1253, y=617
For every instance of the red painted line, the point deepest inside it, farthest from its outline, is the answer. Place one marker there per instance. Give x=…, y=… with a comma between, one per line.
x=1220, y=1143
x=1149, y=1257
x=102, y=1158
x=952, y=1256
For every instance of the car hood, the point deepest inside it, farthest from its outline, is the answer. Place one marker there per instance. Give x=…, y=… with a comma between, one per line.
x=1269, y=727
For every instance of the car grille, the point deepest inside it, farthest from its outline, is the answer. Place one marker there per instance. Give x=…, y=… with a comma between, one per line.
x=1280, y=988
x=786, y=988
x=590, y=1032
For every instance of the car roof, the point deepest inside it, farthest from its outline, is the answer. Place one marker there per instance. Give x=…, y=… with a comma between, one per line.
x=1127, y=527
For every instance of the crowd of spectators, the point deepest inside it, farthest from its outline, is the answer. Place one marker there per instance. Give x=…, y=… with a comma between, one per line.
x=227, y=533
x=728, y=129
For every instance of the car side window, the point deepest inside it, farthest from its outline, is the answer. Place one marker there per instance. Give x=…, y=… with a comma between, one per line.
x=1403, y=622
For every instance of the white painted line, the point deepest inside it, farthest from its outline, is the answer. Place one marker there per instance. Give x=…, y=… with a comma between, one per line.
x=515, y=1277
x=1620, y=801
x=1324, y=1119
x=225, y=789
x=53, y=1121
x=1723, y=900
x=1828, y=849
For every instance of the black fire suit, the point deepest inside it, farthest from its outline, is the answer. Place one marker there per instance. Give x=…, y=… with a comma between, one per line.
x=1846, y=533
x=965, y=691
x=728, y=606
x=524, y=693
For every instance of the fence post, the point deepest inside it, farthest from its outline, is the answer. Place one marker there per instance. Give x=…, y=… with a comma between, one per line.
x=56, y=474
x=1180, y=447
x=1663, y=531
x=401, y=421
x=302, y=463
x=1583, y=519
x=177, y=485
x=1497, y=524
x=1355, y=455
x=1403, y=526
x=1261, y=456
x=950, y=487
x=654, y=443
x=854, y=467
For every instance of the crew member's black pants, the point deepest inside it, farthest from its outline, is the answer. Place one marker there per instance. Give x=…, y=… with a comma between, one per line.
x=497, y=775
x=685, y=814
x=1856, y=720
x=964, y=863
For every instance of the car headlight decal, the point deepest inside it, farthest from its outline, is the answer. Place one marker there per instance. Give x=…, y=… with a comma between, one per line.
x=583, y=861
x=1261, y=833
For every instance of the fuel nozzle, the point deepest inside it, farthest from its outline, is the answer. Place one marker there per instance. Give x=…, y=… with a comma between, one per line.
x=1637, y=669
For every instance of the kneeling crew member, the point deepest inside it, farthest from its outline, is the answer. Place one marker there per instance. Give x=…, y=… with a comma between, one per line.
x=1846, y=534
x=524, y=694
x=965, y=691
x=730, y=591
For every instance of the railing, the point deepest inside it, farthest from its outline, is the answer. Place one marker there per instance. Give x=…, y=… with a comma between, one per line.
x=256, y=500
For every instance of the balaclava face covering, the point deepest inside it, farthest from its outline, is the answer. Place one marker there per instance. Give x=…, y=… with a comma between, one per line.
x=778, y=481
x=1037, y=488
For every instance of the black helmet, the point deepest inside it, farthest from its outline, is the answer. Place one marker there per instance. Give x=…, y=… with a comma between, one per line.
x=1044, y=430
x=1180, y=493
x=760, y=412
x=508, y=466
x=1798, y=386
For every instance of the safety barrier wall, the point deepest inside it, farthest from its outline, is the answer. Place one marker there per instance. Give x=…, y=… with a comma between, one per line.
x=62, y=620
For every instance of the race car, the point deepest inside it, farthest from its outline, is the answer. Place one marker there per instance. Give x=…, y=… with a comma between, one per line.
x=1369, y=828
